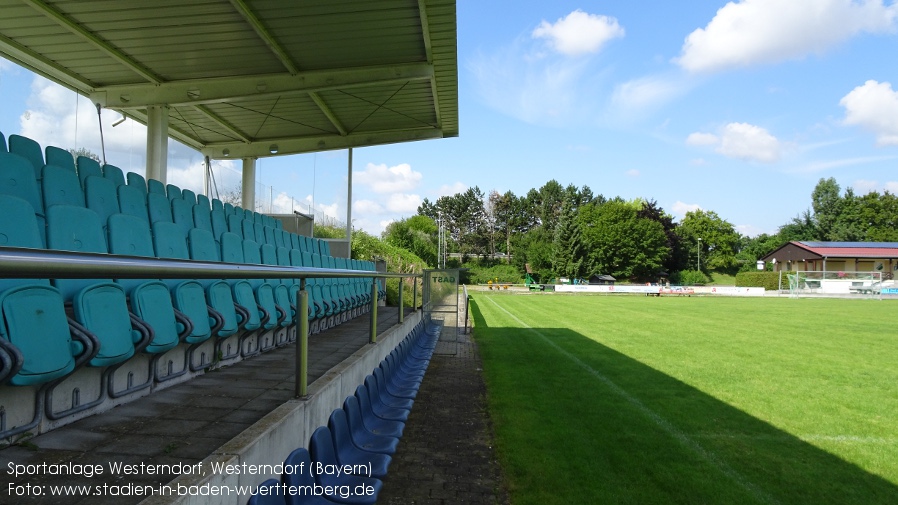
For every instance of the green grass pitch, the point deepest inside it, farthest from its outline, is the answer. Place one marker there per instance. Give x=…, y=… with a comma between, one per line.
x=643, y=400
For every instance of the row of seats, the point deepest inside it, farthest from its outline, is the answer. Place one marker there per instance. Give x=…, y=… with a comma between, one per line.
x=360, y=437
x=51, y=327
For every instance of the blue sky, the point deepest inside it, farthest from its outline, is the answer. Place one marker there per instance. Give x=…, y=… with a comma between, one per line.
x=738, y=108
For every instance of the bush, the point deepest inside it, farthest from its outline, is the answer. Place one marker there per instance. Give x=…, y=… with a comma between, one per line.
x=689, y=278
x=480, y=275
x=767, y=280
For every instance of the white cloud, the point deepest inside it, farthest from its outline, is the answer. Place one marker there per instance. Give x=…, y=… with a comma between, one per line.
x=680, y=209
x=702, y=139
x=579, y=33
x=384, y=179
x=646, y=93
x=633, y=173
x=451, y=189
x=749, y=230
x=751, y=32
x=403, y=203
x=873, y=106
x=749, y=142
x=863, y=186
x=742, y=141
x=366, y=207
x=820, y=166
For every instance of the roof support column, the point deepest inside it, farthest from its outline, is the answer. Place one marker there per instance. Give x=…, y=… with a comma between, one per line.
x=349, y=202
x=157, y=142
x=248, y=195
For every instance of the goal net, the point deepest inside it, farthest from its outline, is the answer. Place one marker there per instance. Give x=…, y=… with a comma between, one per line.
x=815, y=283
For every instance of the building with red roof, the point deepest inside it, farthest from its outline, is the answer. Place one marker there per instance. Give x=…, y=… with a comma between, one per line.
x=836, y=257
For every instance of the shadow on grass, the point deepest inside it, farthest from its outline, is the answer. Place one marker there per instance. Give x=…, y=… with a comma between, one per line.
x=578, y=422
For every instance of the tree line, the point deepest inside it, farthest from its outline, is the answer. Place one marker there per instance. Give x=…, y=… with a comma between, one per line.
x=570, y=231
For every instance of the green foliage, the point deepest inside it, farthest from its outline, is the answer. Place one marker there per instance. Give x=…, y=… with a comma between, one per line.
x=479, y=274
x=620, y=243
x=767, y=280
x=689, y=278
x=327, y=231
x=716, y=238
x=416, y=234
x=370, y=248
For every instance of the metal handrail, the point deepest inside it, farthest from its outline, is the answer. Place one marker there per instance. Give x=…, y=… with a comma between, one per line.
x=30, y=263
x=44, y=264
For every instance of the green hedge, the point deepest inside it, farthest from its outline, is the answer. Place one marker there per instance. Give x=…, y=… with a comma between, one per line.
x=767, y=280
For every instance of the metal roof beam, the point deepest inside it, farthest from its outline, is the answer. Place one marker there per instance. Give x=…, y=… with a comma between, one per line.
x=264, y=148
x=266, y=37
x=328, y=112
x=202, y=109
x=94, y=40
x=37, y=63
x=208, y=91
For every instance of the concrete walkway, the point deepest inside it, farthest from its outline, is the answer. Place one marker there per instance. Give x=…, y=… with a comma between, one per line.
x=446, y=455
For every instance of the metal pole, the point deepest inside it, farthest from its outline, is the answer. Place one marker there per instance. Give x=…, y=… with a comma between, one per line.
x=414, y=294
x=401, y=308
x=373, y=335
x=302, y=342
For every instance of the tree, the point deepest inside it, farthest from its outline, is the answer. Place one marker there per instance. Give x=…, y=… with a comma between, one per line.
x=83, y=151
x=677, y=258
x=719, y=241
x=621, y=243
x=417, y=234
x=568, y=252
x=827, y=205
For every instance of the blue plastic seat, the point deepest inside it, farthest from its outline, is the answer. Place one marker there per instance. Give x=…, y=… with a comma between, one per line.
x=115, y=174
x=188, y=196
x=219, y=223
x=270, y=492
x=332, y=448
x=202, y=217
x=263, y=289
x=216, y=204
x=150, y=298
x=396, y=387
x=304, y=480
x=371, y=406
x=378, y=394
x=322, y=450
x=61, y=186
x=173, y=192
x=59, y=157
x=338, y=423
x=3, y=148
x=280, y=287
x=360, y=418
x=88, y=167
x=204, y=201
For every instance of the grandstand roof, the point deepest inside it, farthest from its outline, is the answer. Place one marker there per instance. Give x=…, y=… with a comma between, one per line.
x=244, y=78
x=797, y=251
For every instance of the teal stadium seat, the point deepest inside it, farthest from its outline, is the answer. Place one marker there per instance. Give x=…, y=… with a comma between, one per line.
x=59, y=157
x=115, y=174
x=35, y=330
x=159, y=208
x=150, y=298
x=100, y=305
x=154, y=186
x=86, y=168
x=137, y=182
x=30, y=150
x=99, y=194
x=173, y=192
x=132, y=203
x=18, y=180
x=202, y=247
x=61, y=187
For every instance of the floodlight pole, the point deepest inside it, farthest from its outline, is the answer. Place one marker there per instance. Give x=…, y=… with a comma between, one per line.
x=698, y=262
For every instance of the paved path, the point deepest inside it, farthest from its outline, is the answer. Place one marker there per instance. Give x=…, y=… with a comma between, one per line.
x=446, y=455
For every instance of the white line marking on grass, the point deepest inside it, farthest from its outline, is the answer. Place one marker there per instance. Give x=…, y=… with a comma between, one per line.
x=809, y=437
x=758, y=493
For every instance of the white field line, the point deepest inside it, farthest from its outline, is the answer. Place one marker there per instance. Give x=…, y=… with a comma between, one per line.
x=758, y=493
x=842, y=439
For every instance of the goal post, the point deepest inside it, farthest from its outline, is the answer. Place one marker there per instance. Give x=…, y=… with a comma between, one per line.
x=833, y=283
